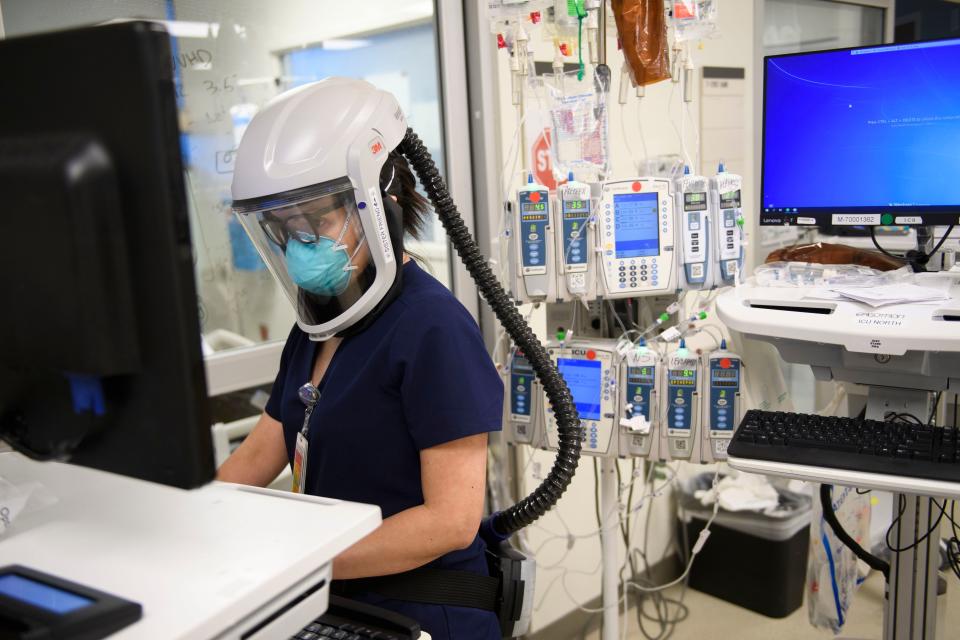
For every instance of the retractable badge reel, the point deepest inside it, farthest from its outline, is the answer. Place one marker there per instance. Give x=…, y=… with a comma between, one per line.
x=309, y=395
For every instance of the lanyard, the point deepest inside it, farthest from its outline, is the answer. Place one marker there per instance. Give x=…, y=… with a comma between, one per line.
x=309, y=395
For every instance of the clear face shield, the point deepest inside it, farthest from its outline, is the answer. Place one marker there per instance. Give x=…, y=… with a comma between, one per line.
x=313, y=242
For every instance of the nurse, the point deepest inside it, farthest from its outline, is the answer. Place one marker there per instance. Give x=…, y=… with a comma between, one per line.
x=385, y=392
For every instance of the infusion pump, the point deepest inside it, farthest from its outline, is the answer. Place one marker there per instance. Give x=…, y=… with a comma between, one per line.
x=588, y=367
x=523, y=401
x=680, y=426
x=626, y=238
x=633, y=401
x=694, y=252
x=636, y=238
x=533, y=260
x=639, y=424
x=725, y=228
x=723, y=409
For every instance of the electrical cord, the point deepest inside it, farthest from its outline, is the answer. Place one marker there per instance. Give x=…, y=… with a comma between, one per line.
x=893, y=416
x=919, y=258
x=901, y=510
x=873, y=238
x=942, y=240
x=936, y=405
x=596, y=493
x=661, y=603
x=826, y=503
x=546, y=495
x=953, y=544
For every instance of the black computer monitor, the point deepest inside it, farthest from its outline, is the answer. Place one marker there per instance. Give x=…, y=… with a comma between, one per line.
x=100, y=357
x=863, y=136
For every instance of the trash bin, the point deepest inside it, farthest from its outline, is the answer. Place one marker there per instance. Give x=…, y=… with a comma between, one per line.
x=755, y=560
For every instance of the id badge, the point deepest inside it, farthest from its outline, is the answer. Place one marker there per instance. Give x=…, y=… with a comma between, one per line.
x=300, y=464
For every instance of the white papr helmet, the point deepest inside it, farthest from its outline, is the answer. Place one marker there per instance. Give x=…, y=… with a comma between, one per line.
x=306, y=187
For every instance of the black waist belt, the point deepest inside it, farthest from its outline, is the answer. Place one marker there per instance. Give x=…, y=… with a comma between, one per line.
x=428, y=586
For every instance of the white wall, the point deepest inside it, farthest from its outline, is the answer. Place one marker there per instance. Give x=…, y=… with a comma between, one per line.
x=654, y=115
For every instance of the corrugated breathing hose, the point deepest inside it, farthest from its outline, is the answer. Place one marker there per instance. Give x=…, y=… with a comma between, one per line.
x=527, y=510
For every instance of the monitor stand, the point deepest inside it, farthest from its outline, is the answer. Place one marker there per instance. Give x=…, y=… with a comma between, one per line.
x=919, y=257
x=902, y=353
x=910, y=611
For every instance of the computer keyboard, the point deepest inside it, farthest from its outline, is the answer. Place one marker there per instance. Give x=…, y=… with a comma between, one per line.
x=855, y=444
x=351, y=620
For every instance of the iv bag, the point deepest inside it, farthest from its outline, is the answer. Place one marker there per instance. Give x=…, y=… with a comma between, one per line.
x=642, y=28
x=695, y=19
x=502, y=14
x=579, y=121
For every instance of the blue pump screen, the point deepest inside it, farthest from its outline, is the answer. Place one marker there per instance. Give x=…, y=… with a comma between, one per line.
x=41, y=595
x=583, y=378
x=636, y=224
x=862, y=130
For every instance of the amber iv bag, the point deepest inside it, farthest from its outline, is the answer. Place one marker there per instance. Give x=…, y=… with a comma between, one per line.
x=642, y=27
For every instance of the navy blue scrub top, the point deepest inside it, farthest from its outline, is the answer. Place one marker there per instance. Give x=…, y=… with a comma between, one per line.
x=418, y=377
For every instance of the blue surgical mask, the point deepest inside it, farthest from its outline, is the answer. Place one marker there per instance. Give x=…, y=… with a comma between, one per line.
x=322, y=267
x=319, y=264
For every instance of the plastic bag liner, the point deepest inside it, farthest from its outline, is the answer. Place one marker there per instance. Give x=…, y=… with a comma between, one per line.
x=832, y=578
x=792, y=513
x=642, y=27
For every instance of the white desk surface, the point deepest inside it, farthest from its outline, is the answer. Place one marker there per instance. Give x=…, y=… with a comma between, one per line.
x=855, y=326
x=198, y=561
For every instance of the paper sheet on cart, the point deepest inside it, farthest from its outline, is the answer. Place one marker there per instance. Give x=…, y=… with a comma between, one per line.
x=900, y=293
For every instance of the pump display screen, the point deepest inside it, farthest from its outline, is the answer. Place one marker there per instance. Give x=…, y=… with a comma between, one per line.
x=640, y=375
x=695, y=201
x=40, y=595
x=533, y=206
x=636, y=225
x=576, y=206
x=583, y=379
x=725, y=377
x=730, y=200
x=682, y=377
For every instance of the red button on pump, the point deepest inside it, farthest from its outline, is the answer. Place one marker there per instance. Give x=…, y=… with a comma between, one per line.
x=725, y=363
x=591, y=355
x=535, y=196
x=637, y=186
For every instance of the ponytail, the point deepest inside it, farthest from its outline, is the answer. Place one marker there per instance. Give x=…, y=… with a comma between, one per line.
x=397, y=180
